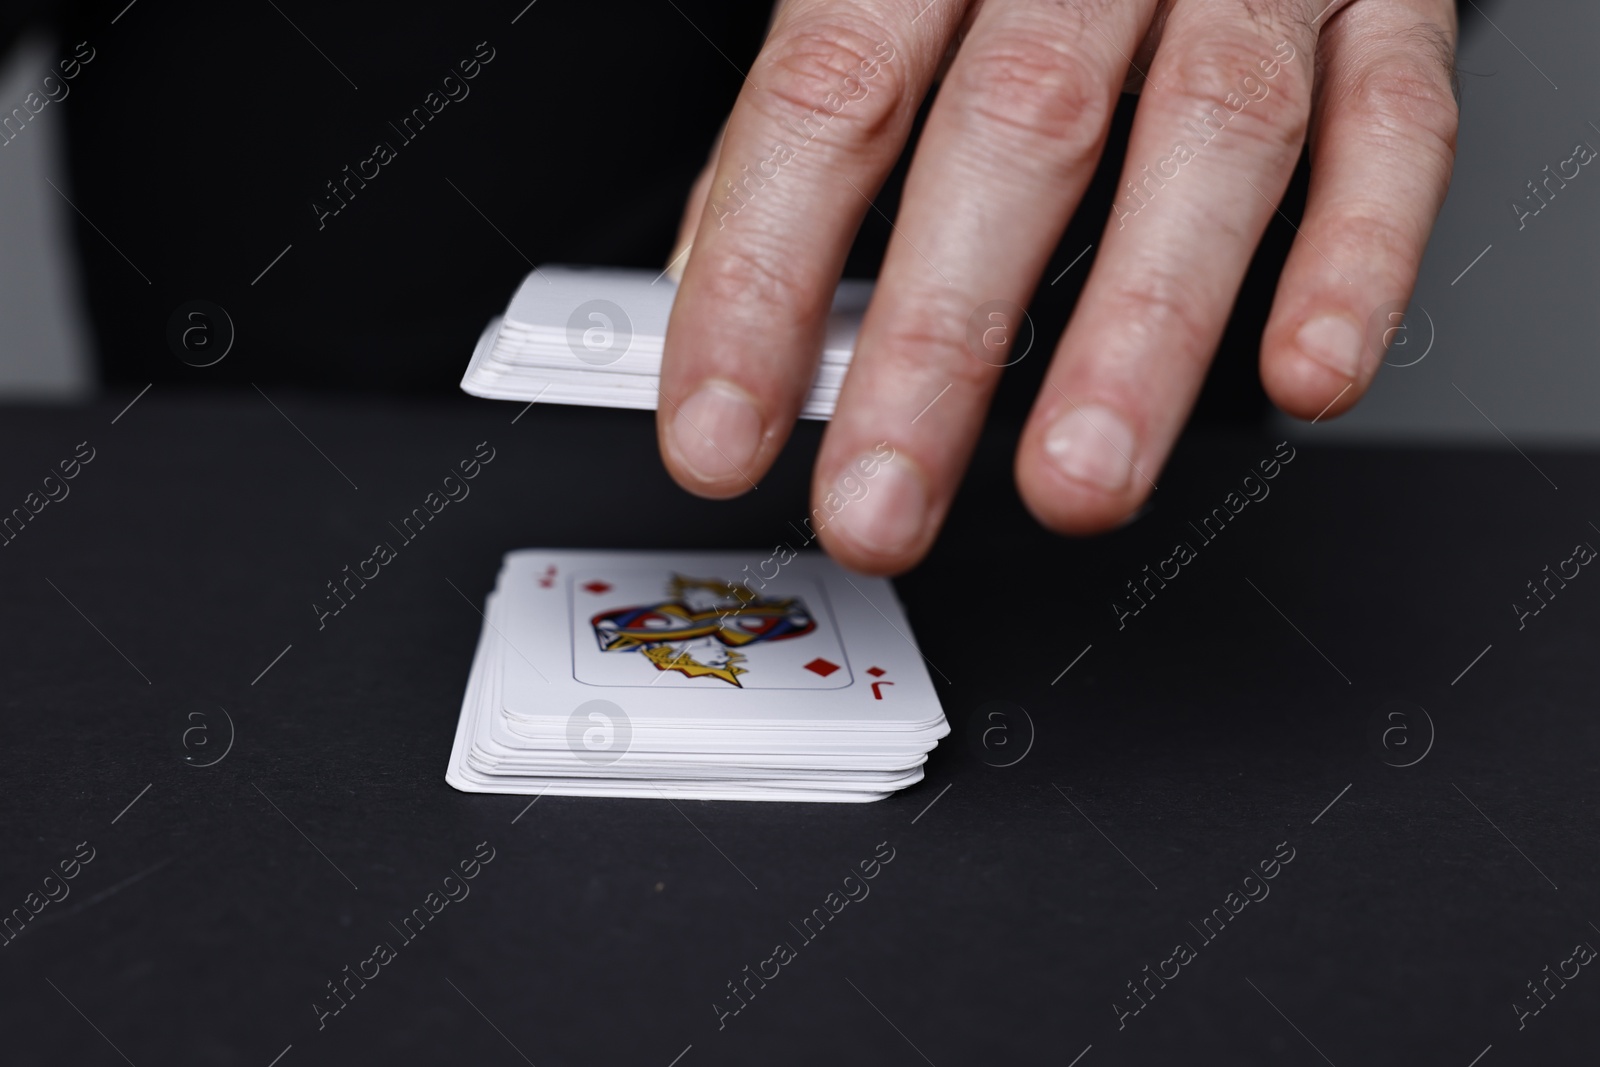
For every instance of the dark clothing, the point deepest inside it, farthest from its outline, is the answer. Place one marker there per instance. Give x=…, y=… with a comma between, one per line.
x=362, y=189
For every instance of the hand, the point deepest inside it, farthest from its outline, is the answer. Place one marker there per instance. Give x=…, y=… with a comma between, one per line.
x=1231, y=91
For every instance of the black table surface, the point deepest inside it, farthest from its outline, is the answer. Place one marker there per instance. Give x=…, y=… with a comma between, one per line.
x=1340, y=676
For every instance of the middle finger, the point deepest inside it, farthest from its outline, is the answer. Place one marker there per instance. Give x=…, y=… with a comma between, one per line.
x=1010, y=145
x=1215, y=140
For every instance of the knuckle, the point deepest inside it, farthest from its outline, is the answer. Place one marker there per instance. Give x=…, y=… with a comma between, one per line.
x=1221, y=84
x=1159, y=314
x=1363, y=235
x=1035, y=90
x=834, y=80
x=915, y=352
x=1407, y=99
x=937, y=332
x=740, y=275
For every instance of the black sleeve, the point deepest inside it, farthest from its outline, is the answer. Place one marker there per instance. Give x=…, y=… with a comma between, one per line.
x=18, y=16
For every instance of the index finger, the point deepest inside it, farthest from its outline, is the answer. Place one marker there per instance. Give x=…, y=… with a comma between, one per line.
x=822, y=118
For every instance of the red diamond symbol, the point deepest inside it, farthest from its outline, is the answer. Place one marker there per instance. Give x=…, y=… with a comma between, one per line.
x=597, y=587
x=877, y=672
x=822, y=666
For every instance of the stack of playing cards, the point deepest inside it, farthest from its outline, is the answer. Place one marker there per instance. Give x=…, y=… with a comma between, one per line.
x=654, y=674
x=575, y=335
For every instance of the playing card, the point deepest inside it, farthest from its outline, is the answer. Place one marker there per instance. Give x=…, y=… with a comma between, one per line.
x=681, y=672
x=718, y=675
x=592, y=336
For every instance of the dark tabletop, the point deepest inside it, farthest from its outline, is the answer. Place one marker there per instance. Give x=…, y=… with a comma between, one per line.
x=1262, y=704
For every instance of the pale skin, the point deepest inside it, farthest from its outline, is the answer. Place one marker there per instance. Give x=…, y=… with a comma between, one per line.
x=1025, y=91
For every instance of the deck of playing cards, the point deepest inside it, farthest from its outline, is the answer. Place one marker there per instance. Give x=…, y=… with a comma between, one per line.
x=593, y=336
x=683, y=674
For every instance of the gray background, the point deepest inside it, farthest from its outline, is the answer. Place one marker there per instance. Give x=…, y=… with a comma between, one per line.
x=1515, y=333
x=44, y=351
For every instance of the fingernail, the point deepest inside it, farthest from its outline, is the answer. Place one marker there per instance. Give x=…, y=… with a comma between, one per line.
x=1093, y=445
x=1333, y=341
x=889, y=515
x=716, y=432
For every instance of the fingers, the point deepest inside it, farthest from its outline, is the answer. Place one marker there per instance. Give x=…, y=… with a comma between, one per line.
x=1219, y=129
x=822, y=118
x=1382, y=144
x=1007, y=151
